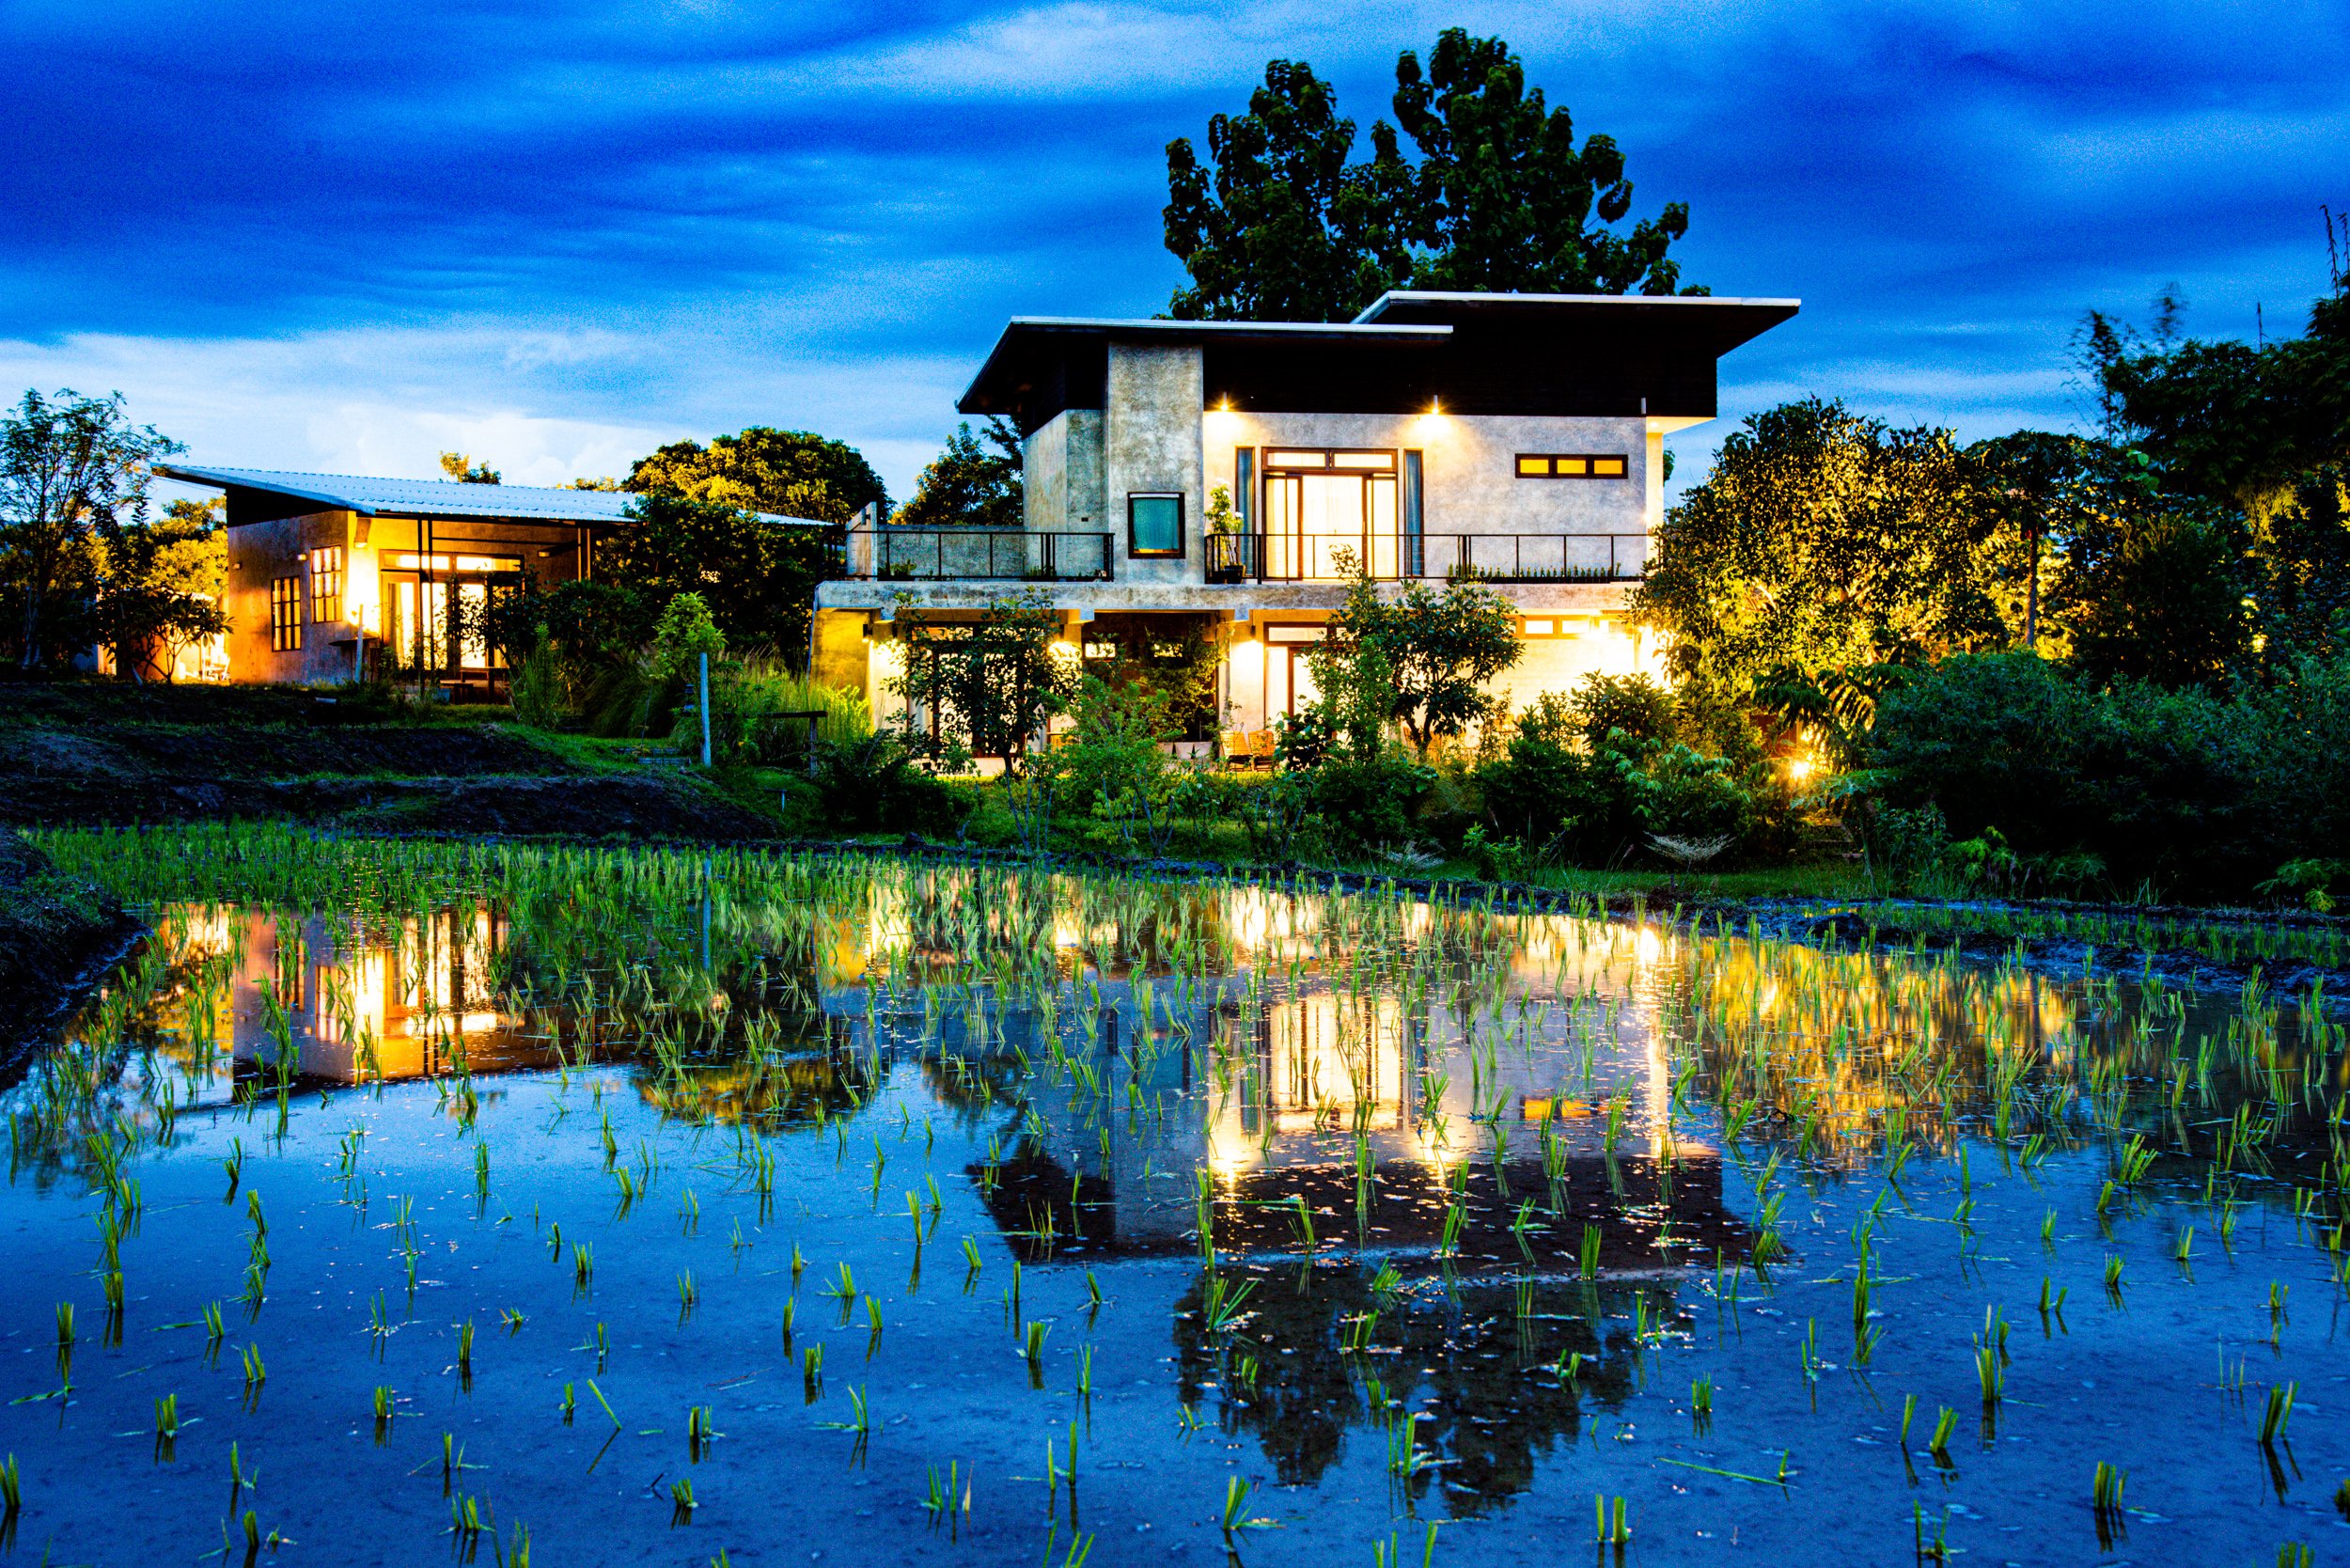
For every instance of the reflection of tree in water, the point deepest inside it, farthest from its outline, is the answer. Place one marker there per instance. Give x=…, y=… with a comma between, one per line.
x=1493, y=1402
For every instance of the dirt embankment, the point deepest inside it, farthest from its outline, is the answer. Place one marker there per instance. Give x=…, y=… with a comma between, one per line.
x=52, y=929
x=78, y=755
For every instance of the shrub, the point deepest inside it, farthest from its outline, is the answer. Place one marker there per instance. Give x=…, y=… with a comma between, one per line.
x=1635, y=704
x=1600, y=804
x=871, y=783
x=1356, y=806
x=2192, y=790
x=1114, y=750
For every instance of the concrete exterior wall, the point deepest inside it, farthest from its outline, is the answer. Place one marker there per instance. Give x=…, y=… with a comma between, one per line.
x=262, y=553
x=1469, y=480
x=1151, y=445
x=1062, y=475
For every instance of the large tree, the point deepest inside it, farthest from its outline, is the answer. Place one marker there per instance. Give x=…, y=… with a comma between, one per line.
x=159, y=584
x=2264, y=429
x=1822, y=542
x=1435, y=650
x=1496, y=195
x=65, y=463
x=975, y=482
x=758, y=578
x=787, y=473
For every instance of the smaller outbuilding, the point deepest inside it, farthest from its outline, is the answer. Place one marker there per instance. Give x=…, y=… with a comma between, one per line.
x=333, y=576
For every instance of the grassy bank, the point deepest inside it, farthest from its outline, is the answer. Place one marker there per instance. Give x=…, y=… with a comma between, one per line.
x=52, y=925
x=86, y=753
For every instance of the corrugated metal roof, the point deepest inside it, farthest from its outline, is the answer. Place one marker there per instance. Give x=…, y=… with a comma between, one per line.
x=426, y=497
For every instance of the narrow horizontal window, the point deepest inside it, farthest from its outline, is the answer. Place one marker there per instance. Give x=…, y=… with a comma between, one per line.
x=1570, y=465
x=1296, y=460
x=1382, y=461
x=1538, y=628
x=1296, y=634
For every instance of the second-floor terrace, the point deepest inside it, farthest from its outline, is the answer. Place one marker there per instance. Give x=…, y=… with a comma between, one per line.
x=1235, y=558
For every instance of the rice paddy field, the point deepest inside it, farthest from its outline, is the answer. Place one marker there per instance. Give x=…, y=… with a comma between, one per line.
x=397, y=1203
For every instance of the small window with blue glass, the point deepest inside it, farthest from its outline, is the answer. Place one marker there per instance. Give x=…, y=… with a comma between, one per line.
x=1155, y=524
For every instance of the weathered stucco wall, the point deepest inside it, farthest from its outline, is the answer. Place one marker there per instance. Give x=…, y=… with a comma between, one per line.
x=259, y=555
x=1061, y=475
x=1469, y=464
x=1151, y=445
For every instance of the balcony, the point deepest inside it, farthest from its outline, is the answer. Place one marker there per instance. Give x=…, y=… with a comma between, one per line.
x=953, y=554
x=1442, y=558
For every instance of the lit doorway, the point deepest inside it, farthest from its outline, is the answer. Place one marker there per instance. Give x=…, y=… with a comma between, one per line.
x=1320, y=505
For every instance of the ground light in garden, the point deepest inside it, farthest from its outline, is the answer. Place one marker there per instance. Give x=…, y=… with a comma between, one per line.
x=1314, y=1221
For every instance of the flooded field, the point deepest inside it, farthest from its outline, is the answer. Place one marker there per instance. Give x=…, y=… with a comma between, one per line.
x=399, y=1203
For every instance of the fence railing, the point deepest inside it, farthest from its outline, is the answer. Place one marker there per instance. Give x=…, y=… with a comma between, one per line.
x=1481, y=557
x=949, y=553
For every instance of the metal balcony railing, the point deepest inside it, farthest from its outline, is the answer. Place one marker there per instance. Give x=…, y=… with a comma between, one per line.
x=1478, y=558
x=979, y=554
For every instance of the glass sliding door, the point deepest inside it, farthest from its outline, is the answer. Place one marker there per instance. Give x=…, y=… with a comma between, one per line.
x=1321, y=506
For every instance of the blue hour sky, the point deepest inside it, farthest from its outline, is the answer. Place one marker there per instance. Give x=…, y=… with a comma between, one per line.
x=556, y=233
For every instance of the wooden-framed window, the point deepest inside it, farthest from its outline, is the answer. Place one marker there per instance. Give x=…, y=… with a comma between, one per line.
x=326, y=583
x=1572, y=465
x=1155, y=524
x=285, y=615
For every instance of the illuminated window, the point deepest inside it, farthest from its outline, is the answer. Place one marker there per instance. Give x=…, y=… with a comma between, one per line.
x=285, y=615
x=1155, y=524
x=326, y=584
x=1316, y=632
x=1538, y=628
x=1356, y=462
x=405, y=561
x=1569, y=465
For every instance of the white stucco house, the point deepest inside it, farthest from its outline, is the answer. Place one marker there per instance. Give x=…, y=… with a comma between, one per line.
x=1515, y=437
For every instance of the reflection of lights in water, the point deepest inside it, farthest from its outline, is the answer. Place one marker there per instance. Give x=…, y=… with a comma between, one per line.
x=1648, y=946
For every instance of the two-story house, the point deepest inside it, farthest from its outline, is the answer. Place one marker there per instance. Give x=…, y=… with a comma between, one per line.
x=1217, y=475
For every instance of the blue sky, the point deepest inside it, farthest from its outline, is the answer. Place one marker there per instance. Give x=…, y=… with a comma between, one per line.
x=556, y=233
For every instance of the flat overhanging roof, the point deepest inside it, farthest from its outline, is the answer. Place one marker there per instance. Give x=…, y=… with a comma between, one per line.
x=380, y=497
x=1507, y=353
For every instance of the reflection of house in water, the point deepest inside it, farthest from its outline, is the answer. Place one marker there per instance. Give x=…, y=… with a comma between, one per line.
x=1278, y=1118
x=407, y=999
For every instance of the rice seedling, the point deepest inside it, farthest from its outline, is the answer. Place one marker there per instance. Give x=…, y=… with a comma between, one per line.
x=1945, y=1422
x=1235, y=1516
x=11, y=1487
x=2278, y=1413
x=1610, y=1531
x=2106, y=1487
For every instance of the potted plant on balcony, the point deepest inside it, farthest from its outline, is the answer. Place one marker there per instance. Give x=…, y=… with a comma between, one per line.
x=1224, y=561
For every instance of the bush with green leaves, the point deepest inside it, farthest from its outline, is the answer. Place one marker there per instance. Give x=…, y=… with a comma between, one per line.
x=872, y=782
x=1634, y=704
x=1563, y=797
x=2193, y=791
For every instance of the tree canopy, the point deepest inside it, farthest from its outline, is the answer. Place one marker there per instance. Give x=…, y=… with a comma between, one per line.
x=1279, y=226
x=758, y=578
x=787, y=473
x=67, y=463
x=1823, y=539
x=975, y=482
x=2261, y=429
x=1435, y=650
